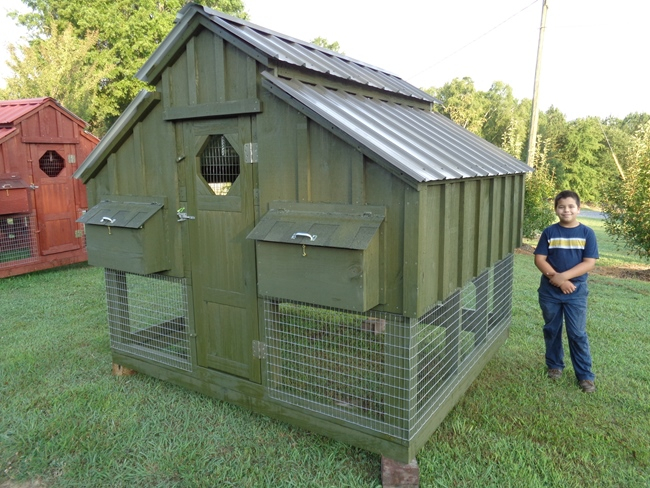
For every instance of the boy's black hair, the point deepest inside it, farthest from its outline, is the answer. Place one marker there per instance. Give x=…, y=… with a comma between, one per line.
x=567, y=194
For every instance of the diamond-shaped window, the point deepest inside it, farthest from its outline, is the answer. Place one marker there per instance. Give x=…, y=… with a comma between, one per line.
x=219, y=165
x=51, y=163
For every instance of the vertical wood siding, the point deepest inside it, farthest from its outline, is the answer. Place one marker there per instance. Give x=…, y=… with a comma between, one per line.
x=462, y=228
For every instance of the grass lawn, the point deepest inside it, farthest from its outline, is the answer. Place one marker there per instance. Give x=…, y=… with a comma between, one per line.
x=65, y=421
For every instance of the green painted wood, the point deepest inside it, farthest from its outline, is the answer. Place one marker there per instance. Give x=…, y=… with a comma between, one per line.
x=341, y=278
x=137, y=111
x=382, y=187
x=222, y=260
x=508, y=215
x=214, y=109
x=468, y=231
x=191, y=71
x=495, y=219
x=179, y=95
x=453, y=247
x=412, y=237
x=303, y=166
x=141, y=250
x=484, y=224
x=152, y=73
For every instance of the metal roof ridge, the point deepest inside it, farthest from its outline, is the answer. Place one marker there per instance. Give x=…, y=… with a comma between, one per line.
x=222, y=18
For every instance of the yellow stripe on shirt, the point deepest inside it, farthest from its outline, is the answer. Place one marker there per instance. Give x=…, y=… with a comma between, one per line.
x=567, y=243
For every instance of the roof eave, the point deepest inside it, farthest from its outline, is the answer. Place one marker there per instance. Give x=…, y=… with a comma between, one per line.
x=141, y=105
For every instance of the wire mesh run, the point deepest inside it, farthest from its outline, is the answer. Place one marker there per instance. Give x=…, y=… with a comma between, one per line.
x=219, y=165
x=148, y=317
x=17, y=240
x=382, y=371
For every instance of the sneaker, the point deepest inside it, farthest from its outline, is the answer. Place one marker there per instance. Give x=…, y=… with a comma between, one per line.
x=587, y=386
x=554, y=374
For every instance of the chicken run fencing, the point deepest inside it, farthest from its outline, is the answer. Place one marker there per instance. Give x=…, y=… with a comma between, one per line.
x=382, y=371
x=148, y=317
x=18, y=243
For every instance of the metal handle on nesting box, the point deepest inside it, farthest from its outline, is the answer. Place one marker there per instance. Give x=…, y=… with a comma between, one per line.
x=107, y=219
x=304, y=234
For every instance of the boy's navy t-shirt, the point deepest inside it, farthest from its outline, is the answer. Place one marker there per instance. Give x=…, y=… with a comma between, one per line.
x=565, y=247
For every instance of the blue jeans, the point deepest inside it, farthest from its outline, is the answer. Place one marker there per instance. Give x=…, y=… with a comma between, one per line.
x=557, y=306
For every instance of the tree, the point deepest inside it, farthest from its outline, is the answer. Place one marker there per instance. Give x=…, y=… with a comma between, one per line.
x=540, y=189
x=502, y=116
x=462, y=104
x=128, y=31
x=626, y=201
x=62, y=67
x=582, y=149
x=332, y=46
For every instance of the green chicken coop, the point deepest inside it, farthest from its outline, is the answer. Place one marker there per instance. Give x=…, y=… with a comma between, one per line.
x=297, y=232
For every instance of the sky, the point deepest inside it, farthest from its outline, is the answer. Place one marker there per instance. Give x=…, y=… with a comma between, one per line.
x=593, y=63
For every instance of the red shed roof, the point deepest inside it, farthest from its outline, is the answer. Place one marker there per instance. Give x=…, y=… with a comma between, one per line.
x=12, y=111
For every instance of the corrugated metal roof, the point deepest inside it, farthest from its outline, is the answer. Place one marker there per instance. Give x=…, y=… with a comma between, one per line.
x=424, y=145
x=6, y=132
x=11, y=110
x=288, y=50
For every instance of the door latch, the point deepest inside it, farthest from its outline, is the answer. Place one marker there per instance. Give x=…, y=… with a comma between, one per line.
x=182, y=215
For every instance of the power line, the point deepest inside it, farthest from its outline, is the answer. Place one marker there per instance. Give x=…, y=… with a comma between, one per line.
x=472, y=42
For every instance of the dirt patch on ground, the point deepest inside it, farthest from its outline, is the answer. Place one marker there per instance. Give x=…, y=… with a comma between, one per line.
x=640, y=273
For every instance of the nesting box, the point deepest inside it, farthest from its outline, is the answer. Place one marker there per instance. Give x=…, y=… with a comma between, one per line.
x=326, y=250
x=41, y=145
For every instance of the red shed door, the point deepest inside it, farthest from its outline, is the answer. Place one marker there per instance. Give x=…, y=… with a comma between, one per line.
x=54, y=196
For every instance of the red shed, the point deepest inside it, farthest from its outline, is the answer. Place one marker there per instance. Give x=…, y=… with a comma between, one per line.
x=41, y=146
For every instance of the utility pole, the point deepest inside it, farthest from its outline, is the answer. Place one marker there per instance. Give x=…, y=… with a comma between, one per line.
x=534, y=118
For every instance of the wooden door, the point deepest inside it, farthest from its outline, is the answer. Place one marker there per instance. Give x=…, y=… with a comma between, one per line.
x=54, y=198
x=220, y=197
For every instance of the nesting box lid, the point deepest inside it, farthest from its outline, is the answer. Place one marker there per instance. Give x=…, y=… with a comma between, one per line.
x=10, y=182
x=132, y=215
x=327, y=225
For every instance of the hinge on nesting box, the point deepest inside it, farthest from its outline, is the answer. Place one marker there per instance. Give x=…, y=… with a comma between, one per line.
x=259, y=350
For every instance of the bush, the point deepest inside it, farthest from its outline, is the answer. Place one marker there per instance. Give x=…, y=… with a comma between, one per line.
x=540, y=190
x=627, y=201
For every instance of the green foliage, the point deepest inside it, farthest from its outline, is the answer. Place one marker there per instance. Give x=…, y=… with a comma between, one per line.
x=127, y=33
x=332, y=46
x=462, y=104
x=507, y=120
x=581, y=150
x=60, y=66
x=627, y=201
x=540, y=190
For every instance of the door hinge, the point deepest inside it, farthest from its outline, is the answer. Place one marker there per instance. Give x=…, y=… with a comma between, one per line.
x=259, y=350
x=250, y=152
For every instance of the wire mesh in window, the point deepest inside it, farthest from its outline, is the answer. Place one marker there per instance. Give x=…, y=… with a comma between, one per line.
x=51, y=164
x=17, y=240
x=148, y=317
x=382, y=371
x=219, y=164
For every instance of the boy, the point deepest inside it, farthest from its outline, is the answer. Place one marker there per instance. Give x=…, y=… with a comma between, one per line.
x=566, y=252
